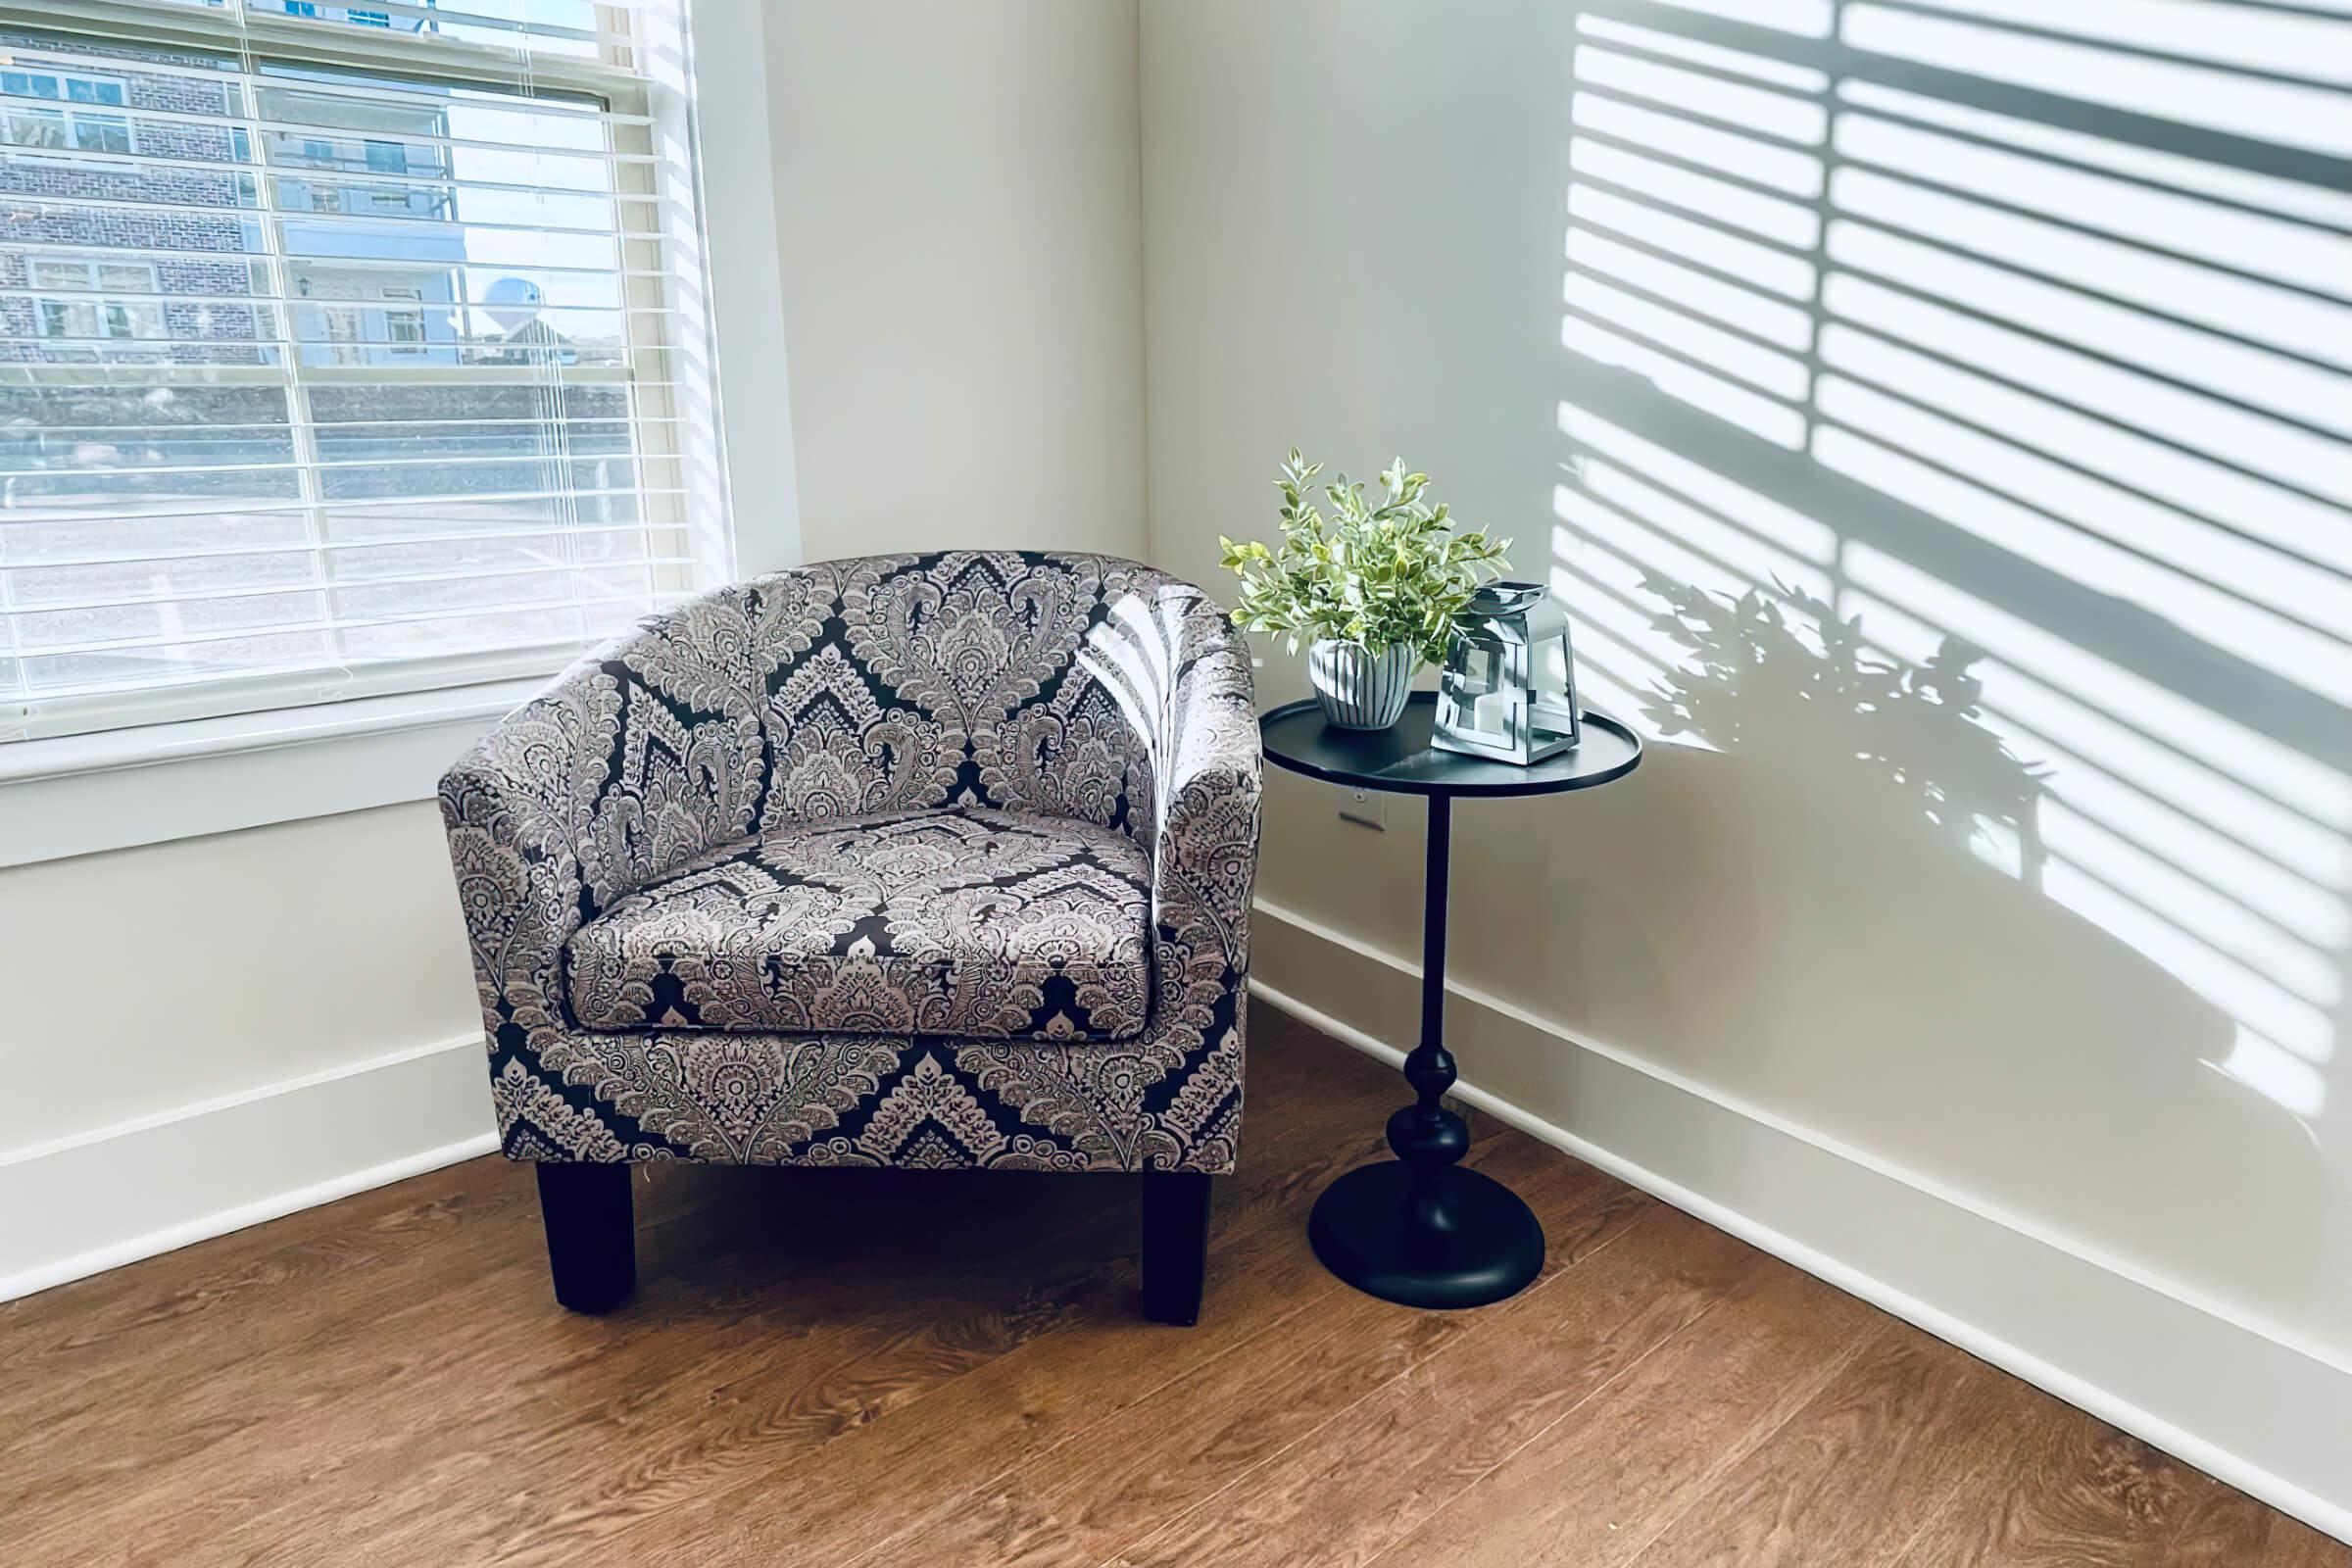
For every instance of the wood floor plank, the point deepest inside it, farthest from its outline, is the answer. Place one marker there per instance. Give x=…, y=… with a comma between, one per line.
x=2068, y=1489
x=1374, y=1471
x=821, y=1505
x=1598, y=1485
x=84, y=1342
x=768, y=1493
x=280, y=1423
x=485, y=1244
x=2291, y=1543
x=1855, y=1474
x=1073, y=1506
x=870, y=1370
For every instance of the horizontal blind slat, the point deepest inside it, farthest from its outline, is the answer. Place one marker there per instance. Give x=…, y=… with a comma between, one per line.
x=327, y=465
x=622, y=602
x=364, y=262
x=569, y=421
x=145, y=162
x=18, y=518
x=526, y=36
x=61, y=52
x=422, y=579
x=296, y=93
x=357, y=673
x=272, y=302
x=73, y=712
x=330, y=547
x=33, y=209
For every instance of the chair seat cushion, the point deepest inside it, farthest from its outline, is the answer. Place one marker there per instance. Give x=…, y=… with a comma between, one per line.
x=981, y=923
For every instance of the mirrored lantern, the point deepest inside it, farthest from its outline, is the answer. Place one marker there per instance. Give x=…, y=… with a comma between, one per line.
x=1508, y=690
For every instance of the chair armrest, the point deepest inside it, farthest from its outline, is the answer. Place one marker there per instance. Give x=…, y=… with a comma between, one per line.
x=515, y=814
x=1204, y=847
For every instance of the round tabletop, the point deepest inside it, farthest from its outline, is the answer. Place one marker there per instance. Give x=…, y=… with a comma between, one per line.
x=1400, y=759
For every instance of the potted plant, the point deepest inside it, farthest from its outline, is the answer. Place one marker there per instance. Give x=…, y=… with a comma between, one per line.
x=1375, y=588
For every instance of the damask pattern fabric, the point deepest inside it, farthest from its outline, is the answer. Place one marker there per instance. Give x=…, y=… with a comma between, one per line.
x=991, y=688
x=974, y=923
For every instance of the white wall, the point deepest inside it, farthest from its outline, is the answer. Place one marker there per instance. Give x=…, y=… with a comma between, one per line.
x=1597, y=300
x=175, y=972
x=960, y=227
x=214, y=1030
x=208, y=1031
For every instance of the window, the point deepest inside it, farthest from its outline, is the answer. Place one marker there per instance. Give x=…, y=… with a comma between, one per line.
x=342, y=334
x=91, y=274
x=82, y=320
x=281, y=429
x=82, y=125
x=404, y=325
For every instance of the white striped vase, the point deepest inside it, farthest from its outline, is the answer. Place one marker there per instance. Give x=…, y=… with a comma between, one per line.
x=1360, y=689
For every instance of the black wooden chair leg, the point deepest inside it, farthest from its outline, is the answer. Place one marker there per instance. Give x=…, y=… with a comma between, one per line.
x=591, y=1234
x=1175, y=1263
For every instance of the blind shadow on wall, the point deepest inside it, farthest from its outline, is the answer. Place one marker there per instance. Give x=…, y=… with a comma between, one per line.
x=1958, y=440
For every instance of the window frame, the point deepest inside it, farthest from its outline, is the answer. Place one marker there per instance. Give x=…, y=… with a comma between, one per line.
x=97, y=297
x=403, y=304
x=70, y=112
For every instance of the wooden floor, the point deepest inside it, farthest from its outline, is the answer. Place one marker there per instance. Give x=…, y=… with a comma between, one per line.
x=848, y=1368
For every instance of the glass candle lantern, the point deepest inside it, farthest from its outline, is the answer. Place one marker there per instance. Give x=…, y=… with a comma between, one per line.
x=1508, y=689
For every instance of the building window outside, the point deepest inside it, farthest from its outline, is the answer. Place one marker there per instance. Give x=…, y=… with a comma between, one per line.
x=343, y=334
x=86, y=317
x=83, y=122
x=403, y=323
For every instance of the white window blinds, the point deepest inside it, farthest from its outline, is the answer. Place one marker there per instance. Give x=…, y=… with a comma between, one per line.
x=343, y=350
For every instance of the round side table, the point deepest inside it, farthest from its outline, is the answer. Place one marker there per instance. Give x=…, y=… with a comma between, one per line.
x=1419, y=1229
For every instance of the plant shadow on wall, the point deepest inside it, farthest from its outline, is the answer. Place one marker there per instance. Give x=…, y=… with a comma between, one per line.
x=1753, y=681
x=1950, y=382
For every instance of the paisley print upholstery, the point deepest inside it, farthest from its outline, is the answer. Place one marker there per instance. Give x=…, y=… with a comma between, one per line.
x=948, y=922
x=918, y=860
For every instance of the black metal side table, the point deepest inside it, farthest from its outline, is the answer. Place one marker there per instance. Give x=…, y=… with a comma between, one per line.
x=1420, y=1229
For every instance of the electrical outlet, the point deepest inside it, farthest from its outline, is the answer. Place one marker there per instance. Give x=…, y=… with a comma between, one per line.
x=1366, y=809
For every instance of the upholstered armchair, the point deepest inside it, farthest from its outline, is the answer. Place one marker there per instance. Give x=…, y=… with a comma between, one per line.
x=936, y=860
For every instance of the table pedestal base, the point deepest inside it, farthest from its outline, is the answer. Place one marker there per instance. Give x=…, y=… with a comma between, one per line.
x=1461, y=1240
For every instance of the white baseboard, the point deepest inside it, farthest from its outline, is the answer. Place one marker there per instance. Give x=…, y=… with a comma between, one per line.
x=78, y=1205
x=2263, y=1416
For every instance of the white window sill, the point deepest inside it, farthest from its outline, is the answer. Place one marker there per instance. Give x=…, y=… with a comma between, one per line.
x=83, y=793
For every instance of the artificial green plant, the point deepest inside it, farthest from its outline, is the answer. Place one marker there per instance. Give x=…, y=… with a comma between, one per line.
x=1380, y=572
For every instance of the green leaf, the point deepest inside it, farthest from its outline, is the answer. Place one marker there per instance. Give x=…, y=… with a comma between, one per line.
x=1388, y=574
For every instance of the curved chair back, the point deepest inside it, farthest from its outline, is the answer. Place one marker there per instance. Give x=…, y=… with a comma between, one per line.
x=1028, y=681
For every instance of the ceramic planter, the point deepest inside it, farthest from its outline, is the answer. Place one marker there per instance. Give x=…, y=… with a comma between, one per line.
x=1360, y=688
